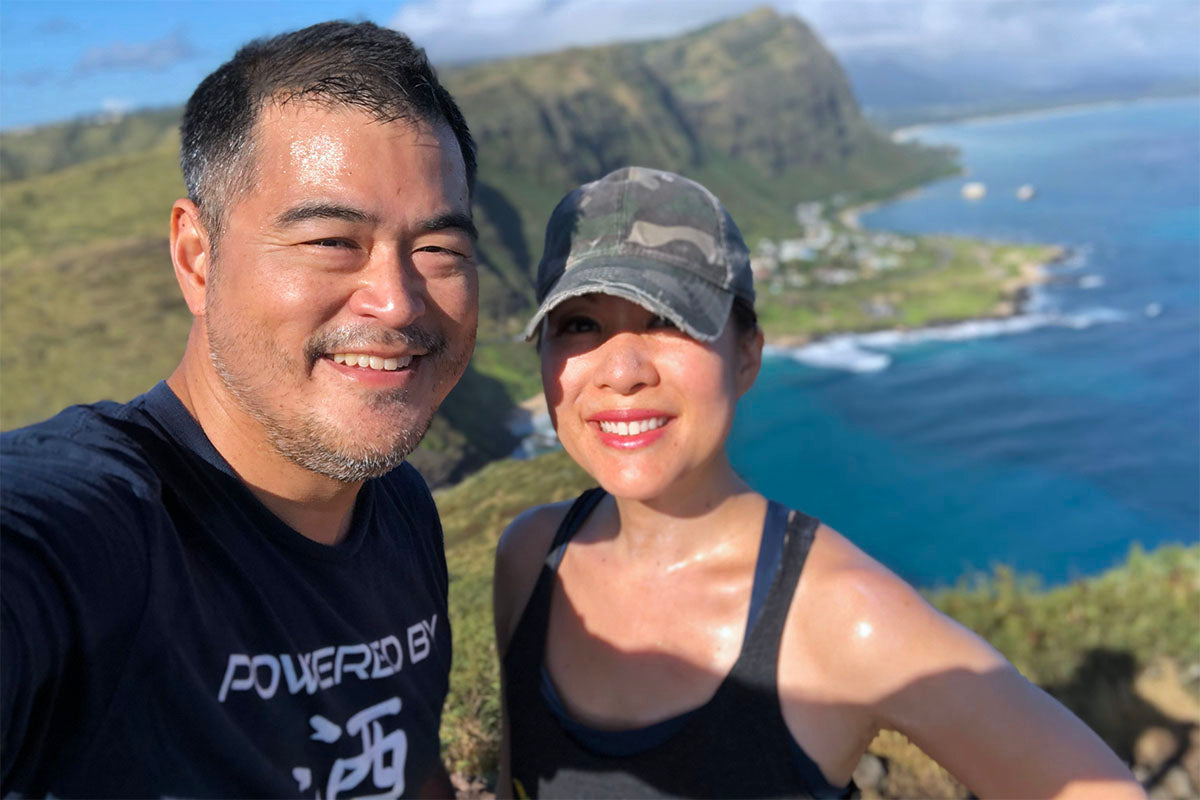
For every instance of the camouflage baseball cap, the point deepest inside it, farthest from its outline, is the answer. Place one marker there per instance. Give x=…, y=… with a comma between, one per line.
x=651, y=237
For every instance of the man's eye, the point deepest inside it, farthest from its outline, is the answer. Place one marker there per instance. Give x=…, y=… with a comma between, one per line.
x=662, y=322
x=438, y=251
x=332, y=242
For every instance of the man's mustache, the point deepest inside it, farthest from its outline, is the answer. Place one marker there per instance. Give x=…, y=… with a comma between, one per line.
x=352, y=338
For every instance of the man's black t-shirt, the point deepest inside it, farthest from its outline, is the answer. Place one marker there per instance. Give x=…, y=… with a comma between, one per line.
x=165, y=635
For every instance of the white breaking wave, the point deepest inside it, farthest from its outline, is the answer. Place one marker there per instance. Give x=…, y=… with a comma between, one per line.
x=860, y=352
x=838, y=352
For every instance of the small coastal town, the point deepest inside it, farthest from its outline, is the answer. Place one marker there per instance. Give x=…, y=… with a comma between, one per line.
x=837, y=277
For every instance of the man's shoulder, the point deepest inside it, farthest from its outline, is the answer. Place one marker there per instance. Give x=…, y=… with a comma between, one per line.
x=80, y=501
x=84, y=456
x=408, y=489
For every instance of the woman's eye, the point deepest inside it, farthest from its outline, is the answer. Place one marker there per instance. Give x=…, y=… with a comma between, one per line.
x=662, y=322
x=576, y=324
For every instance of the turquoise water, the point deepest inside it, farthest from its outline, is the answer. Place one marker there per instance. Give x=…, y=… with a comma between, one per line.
x=1052, y=442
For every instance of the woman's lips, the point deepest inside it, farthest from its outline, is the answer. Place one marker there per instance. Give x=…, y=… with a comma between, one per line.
x=630, y=429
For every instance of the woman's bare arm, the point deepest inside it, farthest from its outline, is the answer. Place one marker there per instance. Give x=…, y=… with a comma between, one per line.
x=890, y=654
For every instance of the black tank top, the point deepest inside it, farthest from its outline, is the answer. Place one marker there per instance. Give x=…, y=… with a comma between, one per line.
x=735, y=745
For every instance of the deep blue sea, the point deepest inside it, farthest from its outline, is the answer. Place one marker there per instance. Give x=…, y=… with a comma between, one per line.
x=1051, y=442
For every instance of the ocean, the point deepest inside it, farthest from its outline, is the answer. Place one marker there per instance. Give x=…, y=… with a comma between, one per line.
x=1052, y=442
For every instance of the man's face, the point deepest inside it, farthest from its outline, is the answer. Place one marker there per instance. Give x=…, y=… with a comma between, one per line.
x=344, y=303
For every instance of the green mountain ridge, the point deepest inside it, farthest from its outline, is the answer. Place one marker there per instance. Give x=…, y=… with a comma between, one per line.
x=754, y=107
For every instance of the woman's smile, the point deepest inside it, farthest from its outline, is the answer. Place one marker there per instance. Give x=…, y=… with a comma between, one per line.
x=630, y=429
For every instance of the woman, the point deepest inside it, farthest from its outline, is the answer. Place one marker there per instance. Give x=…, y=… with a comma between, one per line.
x=695, y=638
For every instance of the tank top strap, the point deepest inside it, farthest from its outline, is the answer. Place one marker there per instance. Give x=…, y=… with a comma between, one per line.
x=760, y=652
x=577, y=514
x=770, y=555
x=529, y=639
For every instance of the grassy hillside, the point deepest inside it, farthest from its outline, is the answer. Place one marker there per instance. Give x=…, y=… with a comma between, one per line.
x=1101, y=645
x=25, y=153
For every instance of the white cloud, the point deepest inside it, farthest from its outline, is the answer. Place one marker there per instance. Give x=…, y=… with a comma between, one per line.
x=156, y=55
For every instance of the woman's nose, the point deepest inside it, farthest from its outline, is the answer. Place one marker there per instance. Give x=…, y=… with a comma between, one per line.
x=626, y=364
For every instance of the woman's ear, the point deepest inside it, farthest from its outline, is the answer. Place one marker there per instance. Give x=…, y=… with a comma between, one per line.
x=750, y=349
x=191, y=253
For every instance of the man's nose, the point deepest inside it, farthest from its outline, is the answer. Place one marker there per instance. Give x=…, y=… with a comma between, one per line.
x=390, y=290
x=627, y=364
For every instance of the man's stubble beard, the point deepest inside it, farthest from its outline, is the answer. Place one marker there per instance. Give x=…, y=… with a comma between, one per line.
x=307, y=440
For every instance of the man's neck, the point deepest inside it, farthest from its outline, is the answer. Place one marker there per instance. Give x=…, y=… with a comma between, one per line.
x=316, y=506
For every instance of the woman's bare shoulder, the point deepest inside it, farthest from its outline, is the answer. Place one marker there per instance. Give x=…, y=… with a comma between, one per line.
x=519, y=555
x=869, y=628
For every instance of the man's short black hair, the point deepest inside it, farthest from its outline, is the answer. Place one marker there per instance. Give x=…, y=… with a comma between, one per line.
x=358, y=65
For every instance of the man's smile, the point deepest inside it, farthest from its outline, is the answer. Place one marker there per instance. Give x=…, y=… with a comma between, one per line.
x=365, y=361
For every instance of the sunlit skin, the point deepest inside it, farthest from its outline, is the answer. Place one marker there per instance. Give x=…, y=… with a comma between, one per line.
x=353, y=230
x=606, y=359
x=649, y=611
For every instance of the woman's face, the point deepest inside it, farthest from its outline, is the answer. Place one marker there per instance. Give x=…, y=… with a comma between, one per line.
x=640, y=405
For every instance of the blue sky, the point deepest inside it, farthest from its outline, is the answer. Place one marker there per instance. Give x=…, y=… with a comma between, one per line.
x=62, y=59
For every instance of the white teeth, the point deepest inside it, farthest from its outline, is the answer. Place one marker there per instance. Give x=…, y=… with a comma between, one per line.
x=633, y=428
x=372, y=362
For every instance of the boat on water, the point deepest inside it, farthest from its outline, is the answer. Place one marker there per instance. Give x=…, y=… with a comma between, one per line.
x=1026, y=192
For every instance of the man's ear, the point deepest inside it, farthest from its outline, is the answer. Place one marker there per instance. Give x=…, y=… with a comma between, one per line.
x=750, y=349
x=191, y=253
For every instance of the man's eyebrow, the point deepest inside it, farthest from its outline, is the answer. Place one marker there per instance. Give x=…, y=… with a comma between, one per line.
x=322, y=211
x=451, y=219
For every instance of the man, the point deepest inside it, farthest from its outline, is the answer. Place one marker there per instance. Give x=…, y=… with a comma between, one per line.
x=231, y=585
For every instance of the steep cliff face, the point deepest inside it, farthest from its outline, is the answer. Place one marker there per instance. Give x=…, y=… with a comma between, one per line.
x=755, y=107
x=760, y=88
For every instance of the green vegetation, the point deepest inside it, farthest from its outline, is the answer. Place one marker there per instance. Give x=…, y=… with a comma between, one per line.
x=106, y=199
x=1148, y=608
x=25, y=153
x=1085, y=642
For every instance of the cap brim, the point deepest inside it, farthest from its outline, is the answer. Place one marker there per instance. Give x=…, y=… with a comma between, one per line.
x=699, y=308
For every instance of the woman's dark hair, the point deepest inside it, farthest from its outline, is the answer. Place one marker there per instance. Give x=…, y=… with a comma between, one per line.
x=743, y=316
x=359, y=65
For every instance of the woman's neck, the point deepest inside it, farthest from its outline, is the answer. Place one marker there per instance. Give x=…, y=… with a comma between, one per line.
x=689, y=524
